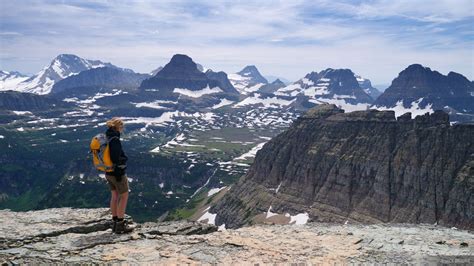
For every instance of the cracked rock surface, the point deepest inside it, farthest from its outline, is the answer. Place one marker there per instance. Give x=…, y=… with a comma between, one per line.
x=68, y=235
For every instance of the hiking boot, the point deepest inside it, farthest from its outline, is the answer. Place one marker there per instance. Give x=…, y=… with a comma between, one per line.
x=122, y=227
x=114, y=226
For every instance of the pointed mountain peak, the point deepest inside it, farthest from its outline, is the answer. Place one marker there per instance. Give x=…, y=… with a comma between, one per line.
x=278, y=82
x=251, y=71
x=249, y=68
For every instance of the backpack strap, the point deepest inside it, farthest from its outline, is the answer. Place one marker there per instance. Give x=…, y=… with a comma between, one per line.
x=110, y=139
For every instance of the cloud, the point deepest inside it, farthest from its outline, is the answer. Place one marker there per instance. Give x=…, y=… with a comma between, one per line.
x=288, y=38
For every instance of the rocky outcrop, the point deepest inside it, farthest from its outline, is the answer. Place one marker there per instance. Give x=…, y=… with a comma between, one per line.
x=364, y=166
x=83, y=236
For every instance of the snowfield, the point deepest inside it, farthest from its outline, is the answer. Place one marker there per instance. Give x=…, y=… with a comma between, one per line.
x=198, y=93
x=414, y=108
x=266, y=102
x=250, y=154
x=222, y=103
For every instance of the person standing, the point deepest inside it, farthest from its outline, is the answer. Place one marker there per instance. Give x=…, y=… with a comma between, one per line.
x=117, y=179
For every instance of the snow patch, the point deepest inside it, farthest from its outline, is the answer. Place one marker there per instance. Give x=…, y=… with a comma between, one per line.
x=199, y=189
x=210, y=217
x=222, y=103
x=197, y=93
x=266, y=102
x=253, y=88
x=299, y=219
x=307, y=81
x=414, y=108
x=252, y=153
x=214, y=191
x=154, y=105
x=278, y=188
x=270, y=213
x=22, y=112
x=341, y=103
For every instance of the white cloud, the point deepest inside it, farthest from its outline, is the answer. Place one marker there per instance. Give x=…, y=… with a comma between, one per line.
x=288, y=38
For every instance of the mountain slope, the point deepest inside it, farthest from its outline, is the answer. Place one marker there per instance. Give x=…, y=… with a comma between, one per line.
x=99, y=78
x=333, y=86
x=18, y=101
x=363, y=166
x=61, y=67
x=223, y=80
x=10, y=80
x=366, y=85
x=247, y=80
x=272, y=87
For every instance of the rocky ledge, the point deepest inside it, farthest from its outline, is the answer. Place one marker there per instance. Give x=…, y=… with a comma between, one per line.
x=84, y=236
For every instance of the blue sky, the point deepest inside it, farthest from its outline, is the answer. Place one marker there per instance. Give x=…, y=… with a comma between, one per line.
x=376, y=38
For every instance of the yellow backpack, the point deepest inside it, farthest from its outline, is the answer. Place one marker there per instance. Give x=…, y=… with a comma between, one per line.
x=101, y=154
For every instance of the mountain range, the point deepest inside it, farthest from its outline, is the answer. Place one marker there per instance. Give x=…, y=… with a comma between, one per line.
x=417, y=89
x=193, y=132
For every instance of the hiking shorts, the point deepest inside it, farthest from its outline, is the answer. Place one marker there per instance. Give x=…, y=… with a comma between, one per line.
x=121, y=187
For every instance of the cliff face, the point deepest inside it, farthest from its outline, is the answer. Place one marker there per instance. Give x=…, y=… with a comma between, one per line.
x=362, y=166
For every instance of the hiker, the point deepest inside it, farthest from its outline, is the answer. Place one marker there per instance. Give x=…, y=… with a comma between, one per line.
x=117, y=179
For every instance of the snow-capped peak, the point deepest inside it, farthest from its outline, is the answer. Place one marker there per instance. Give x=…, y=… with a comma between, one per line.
x=247, y=80
x=10, y=80
x=61, y=67
x=334, y=86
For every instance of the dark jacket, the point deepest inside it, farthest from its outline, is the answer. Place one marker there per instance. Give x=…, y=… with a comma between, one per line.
x=118, y=157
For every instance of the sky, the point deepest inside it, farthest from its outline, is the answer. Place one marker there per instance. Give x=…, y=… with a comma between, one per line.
x=377, y=39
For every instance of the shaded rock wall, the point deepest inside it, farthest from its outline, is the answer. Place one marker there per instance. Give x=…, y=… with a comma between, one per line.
x=362, y=166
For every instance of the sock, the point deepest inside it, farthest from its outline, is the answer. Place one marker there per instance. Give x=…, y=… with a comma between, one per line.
x=114, y=218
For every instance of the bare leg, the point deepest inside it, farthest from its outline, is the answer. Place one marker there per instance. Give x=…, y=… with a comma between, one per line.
x=122, y=204
x=114, y=202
